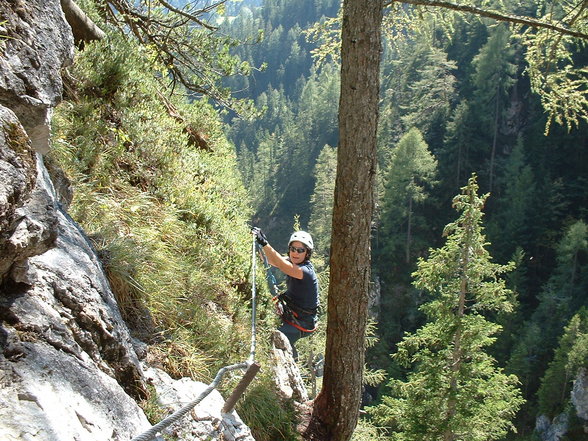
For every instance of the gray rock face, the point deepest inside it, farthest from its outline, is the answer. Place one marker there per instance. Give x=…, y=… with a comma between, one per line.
x=286, y=373
x=39, y=43
x=68, y=367
x=68, y=370
x=552, y=430
x=558, y=428
x=18, y=177
x=580, y=396
x=206, y=420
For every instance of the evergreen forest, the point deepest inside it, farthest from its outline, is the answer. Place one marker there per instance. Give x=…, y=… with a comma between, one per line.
x=168, y=181
x=454, y=102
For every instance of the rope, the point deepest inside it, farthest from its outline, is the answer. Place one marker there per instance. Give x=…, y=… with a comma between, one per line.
x=151, y=433
x=253, y=302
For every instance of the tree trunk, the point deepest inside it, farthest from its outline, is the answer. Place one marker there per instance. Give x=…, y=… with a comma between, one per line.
x=336, y=409
x=408, y=230
x=494, y=139
x=83, y=29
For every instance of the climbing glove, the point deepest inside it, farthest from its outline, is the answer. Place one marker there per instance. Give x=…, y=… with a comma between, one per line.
x=259, y=236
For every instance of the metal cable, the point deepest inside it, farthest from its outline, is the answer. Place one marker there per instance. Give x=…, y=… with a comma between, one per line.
x=151, y=433
x=253, y=301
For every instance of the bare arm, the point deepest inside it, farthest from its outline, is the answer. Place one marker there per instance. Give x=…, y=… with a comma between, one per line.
x=276, y=259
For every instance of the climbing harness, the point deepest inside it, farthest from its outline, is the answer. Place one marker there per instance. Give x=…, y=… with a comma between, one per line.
x=292, y=313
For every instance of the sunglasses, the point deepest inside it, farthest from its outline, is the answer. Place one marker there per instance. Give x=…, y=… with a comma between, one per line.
x=297, y=250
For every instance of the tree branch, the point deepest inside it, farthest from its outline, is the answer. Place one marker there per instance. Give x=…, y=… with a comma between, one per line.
x=495, y=15
x=193, y=17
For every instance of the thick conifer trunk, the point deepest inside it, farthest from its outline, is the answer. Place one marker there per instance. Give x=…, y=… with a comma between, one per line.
x=336, y=409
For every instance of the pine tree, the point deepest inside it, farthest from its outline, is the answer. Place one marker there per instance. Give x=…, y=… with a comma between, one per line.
x=493, y=78
x=456, y=391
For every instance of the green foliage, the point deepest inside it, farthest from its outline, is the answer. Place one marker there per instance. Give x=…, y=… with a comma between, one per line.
x=327, y=33
x=410, y=174
x=279, y=152
x=570, y=356
x=153, y=410
x=455, y=389
x=168, y=218
x=184, y=43
x=366, y=431
x=517, y=185
x=561, y=296
x=554, y=75
x=266, y=415
x=321, y=201
x=408, y=181
x=418, y=83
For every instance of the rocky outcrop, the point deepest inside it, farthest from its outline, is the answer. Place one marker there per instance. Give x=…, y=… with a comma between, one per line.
x=286, y=374
x=558, y=428
x=552, y=430
x=207, y=420
x=38, y=44
x=69, y=369
x=580, y=398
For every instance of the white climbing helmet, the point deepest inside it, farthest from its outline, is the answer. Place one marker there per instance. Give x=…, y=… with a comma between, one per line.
x=303, y=237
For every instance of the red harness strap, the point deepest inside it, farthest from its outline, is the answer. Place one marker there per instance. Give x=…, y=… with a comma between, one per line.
x=281, y=307
x=297, y=326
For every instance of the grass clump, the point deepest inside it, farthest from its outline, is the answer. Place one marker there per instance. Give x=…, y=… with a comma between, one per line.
x=266, y=414
x=168, y=218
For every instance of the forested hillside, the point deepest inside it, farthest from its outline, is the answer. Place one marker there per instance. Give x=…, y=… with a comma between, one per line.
x=456, y=100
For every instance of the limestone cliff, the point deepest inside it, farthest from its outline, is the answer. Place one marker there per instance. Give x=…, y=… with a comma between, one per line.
x=67, y=366
x=69, y=369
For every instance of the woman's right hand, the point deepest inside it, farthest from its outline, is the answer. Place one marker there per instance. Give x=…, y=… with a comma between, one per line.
x=259, y=236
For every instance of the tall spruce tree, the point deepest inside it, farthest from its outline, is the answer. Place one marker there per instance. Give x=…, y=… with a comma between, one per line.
x=456, y=391
x=412, y=170
x=494, y=76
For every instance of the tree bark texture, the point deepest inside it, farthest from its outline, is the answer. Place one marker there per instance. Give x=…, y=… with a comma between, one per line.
x=83, y=29
x=336, y=409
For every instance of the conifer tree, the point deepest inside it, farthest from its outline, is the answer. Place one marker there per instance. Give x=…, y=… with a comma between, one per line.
x=570, y=356
x=493, y=78
x=321, y=201
x=412, y=169
x=456, y=391
x=516, y=187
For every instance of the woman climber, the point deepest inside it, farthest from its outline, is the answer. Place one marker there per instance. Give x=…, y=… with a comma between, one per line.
x=301, y=300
